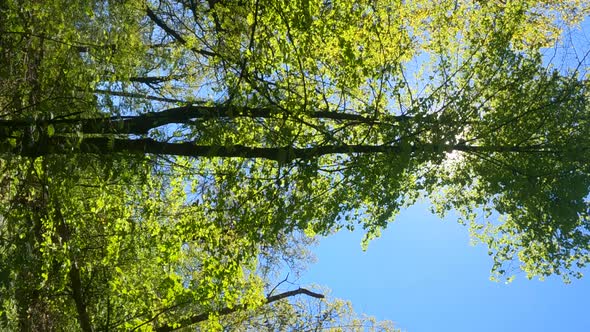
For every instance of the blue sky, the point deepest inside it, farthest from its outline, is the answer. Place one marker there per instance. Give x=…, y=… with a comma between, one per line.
x=425, y=276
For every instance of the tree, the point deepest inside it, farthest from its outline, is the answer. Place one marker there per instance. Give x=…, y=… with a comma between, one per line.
x=154, y=152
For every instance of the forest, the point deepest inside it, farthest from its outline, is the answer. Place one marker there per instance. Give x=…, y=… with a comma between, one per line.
x=165, y=164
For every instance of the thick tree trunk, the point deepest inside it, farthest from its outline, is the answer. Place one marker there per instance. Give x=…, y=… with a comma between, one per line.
x=141, y=124
x=110, y=145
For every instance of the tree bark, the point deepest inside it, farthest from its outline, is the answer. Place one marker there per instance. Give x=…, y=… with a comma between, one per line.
x=74, y=273
x=108, y=145
x=141, y=124
x=76, y=284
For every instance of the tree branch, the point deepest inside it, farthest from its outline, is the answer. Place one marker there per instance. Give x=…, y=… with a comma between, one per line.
x=172, y=33
x=76, y=284
x=74, y=274
x=226, y=311
x=109, y=145
x=141, y=124
x=137, y=95
x=154, y=79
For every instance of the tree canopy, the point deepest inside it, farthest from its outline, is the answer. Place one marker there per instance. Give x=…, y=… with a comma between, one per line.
x=161, y=158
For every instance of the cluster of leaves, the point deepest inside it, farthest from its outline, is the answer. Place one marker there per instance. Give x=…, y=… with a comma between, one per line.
x=160, y=158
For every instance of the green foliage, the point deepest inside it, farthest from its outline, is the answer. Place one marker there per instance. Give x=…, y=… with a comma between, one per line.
x=159, y=159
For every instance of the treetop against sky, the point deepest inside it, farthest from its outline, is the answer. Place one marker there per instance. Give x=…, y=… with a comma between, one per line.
x=159, y=156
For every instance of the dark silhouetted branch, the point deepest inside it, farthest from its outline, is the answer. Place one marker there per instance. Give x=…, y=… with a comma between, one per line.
x=172, y=33
x=226, y=311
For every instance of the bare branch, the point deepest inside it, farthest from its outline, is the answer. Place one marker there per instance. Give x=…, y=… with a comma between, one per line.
x=172, y=33
x=226, y=311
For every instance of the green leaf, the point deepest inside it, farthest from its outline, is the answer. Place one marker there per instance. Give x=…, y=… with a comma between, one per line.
x=50, y=130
